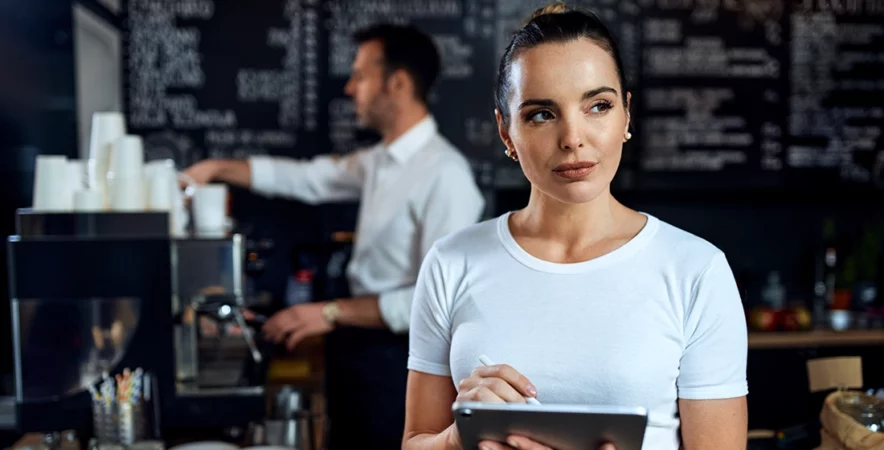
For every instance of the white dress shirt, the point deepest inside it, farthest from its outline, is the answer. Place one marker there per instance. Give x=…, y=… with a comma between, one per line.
x=413, y=191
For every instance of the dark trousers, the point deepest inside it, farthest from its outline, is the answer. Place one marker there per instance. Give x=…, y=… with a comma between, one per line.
x=366, y=377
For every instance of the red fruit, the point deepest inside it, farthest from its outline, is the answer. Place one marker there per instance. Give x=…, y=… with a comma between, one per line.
x=763, y=318
x=796, y=319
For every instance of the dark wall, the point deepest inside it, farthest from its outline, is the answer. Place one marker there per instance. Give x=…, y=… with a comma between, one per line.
x=37, y=111
x=725, y=95
x=752, y=123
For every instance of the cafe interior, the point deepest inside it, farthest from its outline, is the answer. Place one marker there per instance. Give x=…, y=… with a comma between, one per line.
x=132, y=301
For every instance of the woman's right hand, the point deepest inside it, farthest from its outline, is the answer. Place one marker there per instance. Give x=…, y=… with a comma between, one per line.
x=495, y=384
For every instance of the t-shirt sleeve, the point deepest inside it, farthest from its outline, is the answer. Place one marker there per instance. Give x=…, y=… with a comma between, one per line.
x=713, y=363
x=430, y=331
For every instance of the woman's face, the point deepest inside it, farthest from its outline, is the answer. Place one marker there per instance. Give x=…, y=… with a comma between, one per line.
x=567, y=119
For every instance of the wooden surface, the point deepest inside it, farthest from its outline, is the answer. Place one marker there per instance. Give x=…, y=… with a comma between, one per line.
x=29, y=440
x=816, y=338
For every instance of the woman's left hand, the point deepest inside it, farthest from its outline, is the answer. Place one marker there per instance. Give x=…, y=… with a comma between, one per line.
x=523, y=443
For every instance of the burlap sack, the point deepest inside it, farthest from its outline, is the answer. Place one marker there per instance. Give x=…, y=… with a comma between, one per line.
x=842, y=432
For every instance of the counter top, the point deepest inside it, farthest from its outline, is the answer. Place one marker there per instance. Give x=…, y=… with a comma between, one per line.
x=815, y=338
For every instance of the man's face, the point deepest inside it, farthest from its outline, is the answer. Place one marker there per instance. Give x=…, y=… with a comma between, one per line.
x=367, y=86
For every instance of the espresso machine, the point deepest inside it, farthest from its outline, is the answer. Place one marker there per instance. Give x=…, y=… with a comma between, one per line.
x=97, y=292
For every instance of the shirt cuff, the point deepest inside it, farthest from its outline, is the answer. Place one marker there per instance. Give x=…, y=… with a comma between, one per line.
x=420, y=365
x=395, y=307
x=262, y=174
x=732, y=390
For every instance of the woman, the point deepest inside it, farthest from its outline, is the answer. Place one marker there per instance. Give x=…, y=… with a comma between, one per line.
x=585, y=300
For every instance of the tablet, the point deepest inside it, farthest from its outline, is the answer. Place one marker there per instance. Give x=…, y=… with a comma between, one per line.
x=562, y=427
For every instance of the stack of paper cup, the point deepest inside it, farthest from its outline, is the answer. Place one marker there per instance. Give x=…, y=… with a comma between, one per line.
x=210, y=210
x=77, y=174
x=180, y=216
x=107, y=129
x=87, y=200
x=125, y=175
x=52, y=192
x=162, y=187
x=162, y=184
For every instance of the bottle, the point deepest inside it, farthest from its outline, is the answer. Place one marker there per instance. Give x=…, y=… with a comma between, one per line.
x=774, y=294
x=69, y=441
x=300, y=288
x=824, y=279
x=50, y=441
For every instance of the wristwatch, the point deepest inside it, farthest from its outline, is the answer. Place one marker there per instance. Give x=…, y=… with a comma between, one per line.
x=330, y=312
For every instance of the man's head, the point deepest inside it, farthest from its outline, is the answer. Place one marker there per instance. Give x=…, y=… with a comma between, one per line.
x=395, y=67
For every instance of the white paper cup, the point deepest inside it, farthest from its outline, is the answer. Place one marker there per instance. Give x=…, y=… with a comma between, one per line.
x=180, y=216
x=127, y=158
x=88, y=201
x=210, y=209
x=77, y=174
x=164, y=194
x=107, y=128
x=161, y=186
x=52, y=191
x=127, y=193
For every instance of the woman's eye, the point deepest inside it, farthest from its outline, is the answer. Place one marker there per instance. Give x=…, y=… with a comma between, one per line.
x=540, y=116
x=600, y=107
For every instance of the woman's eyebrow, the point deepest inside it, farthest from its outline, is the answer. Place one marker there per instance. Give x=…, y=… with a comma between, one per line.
x=547, y=102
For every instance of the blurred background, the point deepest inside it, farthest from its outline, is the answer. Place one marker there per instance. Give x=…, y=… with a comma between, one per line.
x=757, y=125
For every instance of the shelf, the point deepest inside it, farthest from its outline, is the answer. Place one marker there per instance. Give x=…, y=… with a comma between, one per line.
x=821, y=338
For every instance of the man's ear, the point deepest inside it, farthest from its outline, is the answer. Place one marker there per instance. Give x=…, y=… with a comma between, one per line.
x=399, y=82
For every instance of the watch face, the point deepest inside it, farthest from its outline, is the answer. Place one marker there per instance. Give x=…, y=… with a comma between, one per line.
x=330, y=312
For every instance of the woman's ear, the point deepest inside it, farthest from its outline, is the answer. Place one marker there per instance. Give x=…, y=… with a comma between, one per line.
x=503, y=131
x=628, y=115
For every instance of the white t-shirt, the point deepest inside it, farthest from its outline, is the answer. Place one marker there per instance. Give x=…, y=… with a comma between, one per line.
x=658, y=319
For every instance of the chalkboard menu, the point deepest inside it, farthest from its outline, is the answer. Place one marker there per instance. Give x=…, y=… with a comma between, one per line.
x=730, y=94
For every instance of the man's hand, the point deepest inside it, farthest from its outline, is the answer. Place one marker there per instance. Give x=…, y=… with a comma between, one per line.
x=296, y=323
x=203, y=172
x=231, y=171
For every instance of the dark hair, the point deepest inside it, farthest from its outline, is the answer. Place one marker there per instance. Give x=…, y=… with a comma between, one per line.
x=406, y=48
x=554, y=23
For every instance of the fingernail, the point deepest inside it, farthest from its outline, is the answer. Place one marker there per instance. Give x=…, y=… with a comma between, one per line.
x=532, y=390
x=484, y=447
x=513, y=443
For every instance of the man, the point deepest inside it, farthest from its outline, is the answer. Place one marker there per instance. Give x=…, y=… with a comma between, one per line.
x=414, y=187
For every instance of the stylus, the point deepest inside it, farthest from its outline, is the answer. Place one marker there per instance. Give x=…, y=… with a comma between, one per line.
x=487, y=362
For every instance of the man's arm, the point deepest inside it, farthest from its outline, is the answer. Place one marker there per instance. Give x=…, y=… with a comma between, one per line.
x=296, y=323
x=360, y=312
x=452, y=203
x=322, y=179
x=231, y=171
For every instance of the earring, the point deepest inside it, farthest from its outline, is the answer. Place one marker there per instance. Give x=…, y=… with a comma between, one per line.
x=628, y=135
x=511, y=154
